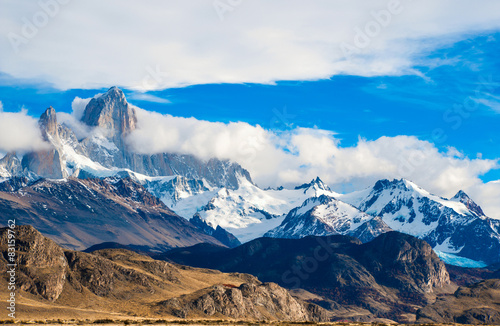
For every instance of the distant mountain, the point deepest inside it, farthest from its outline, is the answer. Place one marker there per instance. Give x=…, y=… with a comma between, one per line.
x=80, y=213
x=324, y=215
x=118, y=284
x=456, y=225
x=388, y=276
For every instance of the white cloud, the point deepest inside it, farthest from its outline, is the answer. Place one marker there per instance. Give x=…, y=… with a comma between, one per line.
x=155, y=44
x=19, y=132
x=72, y=120
x=298, y=155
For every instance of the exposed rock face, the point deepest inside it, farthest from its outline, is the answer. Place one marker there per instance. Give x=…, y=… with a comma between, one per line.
x=45, y=163
x=462, y=197
x=50, y=163
x=266, y=301
x=371, y=229
x=48, y=123
x=81, y=213
x=475, y=304
x=10, y=165
x=400, y=254
x=112, y=113
x=42, y=265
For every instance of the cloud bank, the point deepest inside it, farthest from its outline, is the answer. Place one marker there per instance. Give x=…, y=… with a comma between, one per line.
x=294, y=156
x=155, y=44
x=19, y=132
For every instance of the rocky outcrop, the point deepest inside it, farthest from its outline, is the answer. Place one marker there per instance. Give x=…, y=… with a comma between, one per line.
x=45, y=163
x=41, y=265
x=475, y=304
x=111, y=113
x=256, y=301
x=51, y=163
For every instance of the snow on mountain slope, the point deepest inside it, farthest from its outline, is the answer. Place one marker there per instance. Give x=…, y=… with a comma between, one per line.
x=406, y=207
x=456, y=226
x=248, y=212
x=324, y=215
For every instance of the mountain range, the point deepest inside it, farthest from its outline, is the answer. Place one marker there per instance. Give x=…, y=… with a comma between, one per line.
x=167, y=200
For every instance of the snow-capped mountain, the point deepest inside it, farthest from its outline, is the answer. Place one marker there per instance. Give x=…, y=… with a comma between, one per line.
x=324, y=215
x=456, y=225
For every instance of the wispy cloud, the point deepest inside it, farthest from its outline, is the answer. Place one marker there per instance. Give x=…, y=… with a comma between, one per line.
x=148, y=98
x=161, y=44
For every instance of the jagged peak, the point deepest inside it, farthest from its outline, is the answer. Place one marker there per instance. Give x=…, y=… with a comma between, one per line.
x=463, y=198
x=48, y=116
x=114, y=92
x=402, y=183
x=10, y=156
x=461, y=194
x=314, y=183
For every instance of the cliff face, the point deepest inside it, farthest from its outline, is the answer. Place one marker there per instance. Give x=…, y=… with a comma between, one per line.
x=123, y=282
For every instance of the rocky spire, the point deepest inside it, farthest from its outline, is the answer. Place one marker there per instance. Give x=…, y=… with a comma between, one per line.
x=112, y=113
x=48, y=123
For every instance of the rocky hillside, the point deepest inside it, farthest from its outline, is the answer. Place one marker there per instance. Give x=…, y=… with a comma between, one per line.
x=61, y=282
x=388, y=277
x=80, y=213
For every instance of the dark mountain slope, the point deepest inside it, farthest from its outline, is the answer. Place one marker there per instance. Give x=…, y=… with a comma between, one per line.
x=80, y=213
x=389, y=276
